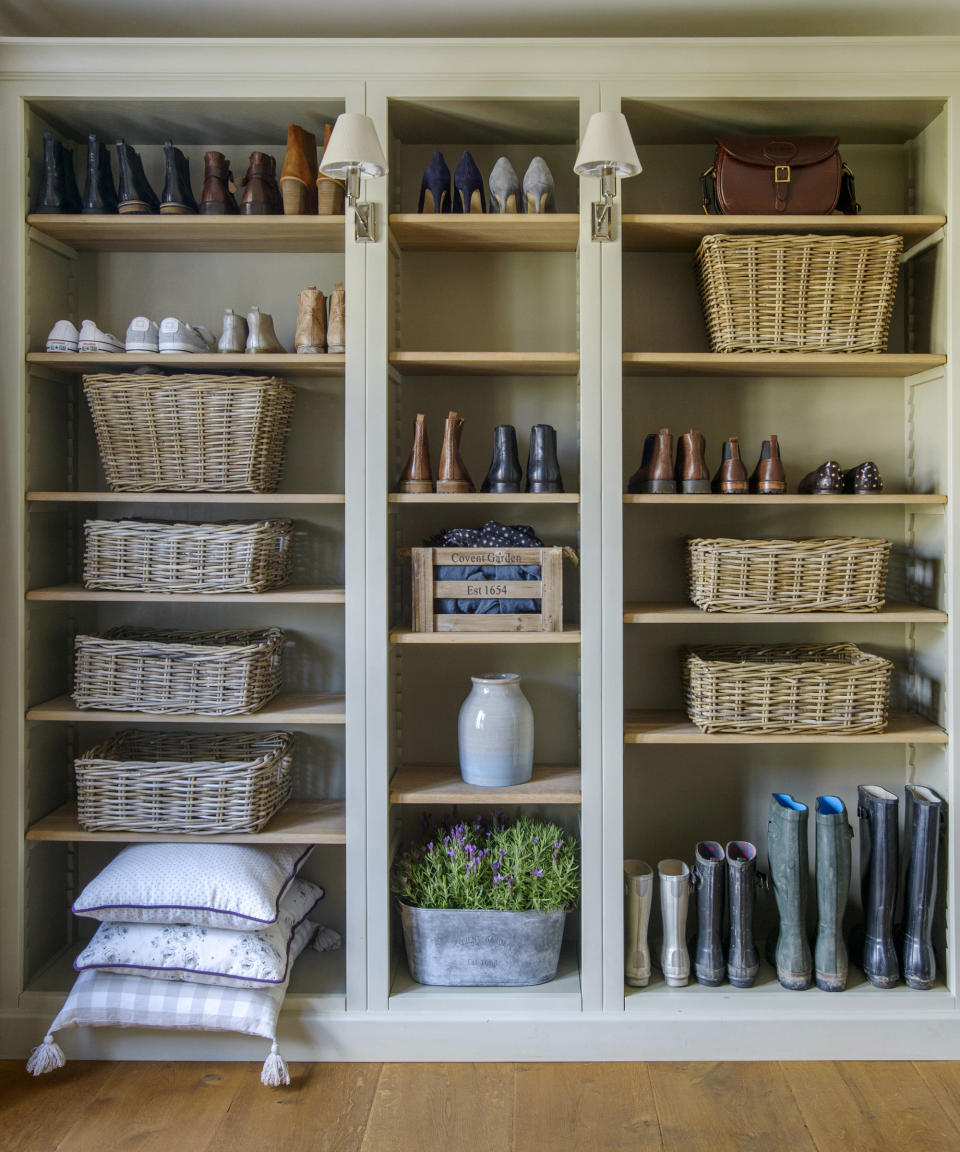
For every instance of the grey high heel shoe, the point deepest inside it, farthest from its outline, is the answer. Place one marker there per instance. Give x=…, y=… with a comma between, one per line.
x=234, y=335
x=504, y=186
x=261, y=336
x=538, y=187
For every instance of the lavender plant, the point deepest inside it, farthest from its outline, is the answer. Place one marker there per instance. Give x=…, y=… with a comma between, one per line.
x=491, y=863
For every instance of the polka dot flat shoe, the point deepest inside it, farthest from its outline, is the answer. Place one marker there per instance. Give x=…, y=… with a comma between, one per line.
x=827, y=480
x=863, y=480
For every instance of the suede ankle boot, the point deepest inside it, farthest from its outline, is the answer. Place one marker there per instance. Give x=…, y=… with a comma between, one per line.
x=731, y=477
x=417, y=476
x=879, y=859
x=922, y=833
x=638, y=900
x=217, y=197
x=833, y=886
x=298, y=177
x=261, y=193
x=505, y=473
x=743, y=960
x=543, y=470
x=453, y=475
x=790, y=873
x=311, y=335
x=337, y=322
x=710, y=880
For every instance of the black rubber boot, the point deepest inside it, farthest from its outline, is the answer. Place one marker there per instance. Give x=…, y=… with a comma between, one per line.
x=790, y=873
x=922, y=830
x=710, y=882
x=543, y=471
x=879, y=851
x=743, y=959
x=52, y=198
x=177, y=198
x=833, y=887
x=134, y=193
x=99, y=193
x=505, y=473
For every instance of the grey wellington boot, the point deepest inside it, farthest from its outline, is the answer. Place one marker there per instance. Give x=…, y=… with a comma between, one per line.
x=833, y=886
x=790, y=873
x=674, y=899
x=638, y=900
x=743, y=960
x=710, y=881
x=879, y=852
x=922, y=827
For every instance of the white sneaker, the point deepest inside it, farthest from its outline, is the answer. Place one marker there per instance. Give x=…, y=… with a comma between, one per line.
x=63, y=337
x=143, y=335
x=175, y=336
x=91, y=339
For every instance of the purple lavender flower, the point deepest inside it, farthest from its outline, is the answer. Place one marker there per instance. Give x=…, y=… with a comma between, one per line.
x=538, y=871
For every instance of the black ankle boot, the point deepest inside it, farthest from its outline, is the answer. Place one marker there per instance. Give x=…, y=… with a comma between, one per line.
x=52, y=198
x=505, y=473
x=71, y=193
x=177, y=195
x=134, y=193
x=543, y=471
x=99, y=193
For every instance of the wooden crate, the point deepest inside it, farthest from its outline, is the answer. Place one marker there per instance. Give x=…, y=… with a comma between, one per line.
x=548, y=590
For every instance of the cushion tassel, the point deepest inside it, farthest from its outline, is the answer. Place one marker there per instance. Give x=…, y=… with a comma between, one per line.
x=46, y=1057
x=274, y=1073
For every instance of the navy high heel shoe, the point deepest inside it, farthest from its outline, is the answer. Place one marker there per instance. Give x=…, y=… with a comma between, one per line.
x=468, y=187
x=435, y=186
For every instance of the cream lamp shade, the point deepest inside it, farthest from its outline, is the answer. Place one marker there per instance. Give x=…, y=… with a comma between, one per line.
x=353, y=146
x=607, y=144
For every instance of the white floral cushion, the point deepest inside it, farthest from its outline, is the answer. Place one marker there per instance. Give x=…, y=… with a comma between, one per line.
x=209, y=885
x=207, y=955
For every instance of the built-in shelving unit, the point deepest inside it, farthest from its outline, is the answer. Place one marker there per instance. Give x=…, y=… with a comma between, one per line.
x=890, y=613
x=485, y=363
x=302, y=364
x=548, y=785
x=251, y=498
x=552, y=232
x=791, y=499
x=652, y=727
x=481, y=498
x=75, y=593
x=408, y=636
x=284, y=708
x=782, y=365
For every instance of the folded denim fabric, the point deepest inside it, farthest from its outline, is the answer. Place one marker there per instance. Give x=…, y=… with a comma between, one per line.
x=491, y=535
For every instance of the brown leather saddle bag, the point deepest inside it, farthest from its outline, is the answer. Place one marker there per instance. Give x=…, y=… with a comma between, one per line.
x=787, y=175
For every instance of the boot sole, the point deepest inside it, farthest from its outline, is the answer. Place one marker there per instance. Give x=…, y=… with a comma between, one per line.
x=882, y=981
x=710, y=982
x=831, y=983
x=692, y=487
x=502, y=489
x=215, y=208
x=657, y=487
x=732, y=490
x=338, y=349
x=135, y=208
x=743, y=981
x=177, y=210
x=454, y=486
x=310, y=349
x=794, y=982
x=258, y=210
x=775, y=489
x=545, y=488
x=677, y=981
x=918, y=985
x=416, y=486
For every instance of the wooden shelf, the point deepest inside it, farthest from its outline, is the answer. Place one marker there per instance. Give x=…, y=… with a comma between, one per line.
x=675, y=233
x=778, y=364
x=549, y=785
x=297, y=822
x=486, y=363
x=792, y=498
x=408, y=636
x=185, y=498
x=292, y=594
x=674, y=728
x=149, y=233
x=495, y=232
x=890, y=613
x=289, y=363
x=484, y=498
x=284, y=708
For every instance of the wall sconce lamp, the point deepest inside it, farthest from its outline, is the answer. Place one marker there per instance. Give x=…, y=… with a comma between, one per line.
x=354, y=151
x=607, y=151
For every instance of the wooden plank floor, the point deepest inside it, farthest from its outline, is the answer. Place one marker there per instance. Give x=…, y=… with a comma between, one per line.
x=713, y=1107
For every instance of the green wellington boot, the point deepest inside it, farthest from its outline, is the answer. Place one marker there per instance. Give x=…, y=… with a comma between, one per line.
x=833, y=886
x=790, y=872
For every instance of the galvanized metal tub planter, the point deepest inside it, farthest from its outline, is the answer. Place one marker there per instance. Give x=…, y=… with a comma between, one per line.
x=468, y=947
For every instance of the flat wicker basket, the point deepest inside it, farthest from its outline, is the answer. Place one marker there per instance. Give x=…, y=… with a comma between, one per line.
x=200, y=673
x=165, y=556
x=183, y=782
x=798, y=293
x=786, y=688
x=190, y=433
x=831, y=574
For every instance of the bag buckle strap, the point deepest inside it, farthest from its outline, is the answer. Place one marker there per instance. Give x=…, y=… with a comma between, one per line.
x=781, y=173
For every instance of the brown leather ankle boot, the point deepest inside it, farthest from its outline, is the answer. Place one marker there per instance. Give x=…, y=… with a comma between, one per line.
x=337, y=326
x=731, y=476
x=691, y=471
x=453, y=475
x=298, y=178
x=218, y=188
x=769, y=477
x=417, y=476
x=311, y=333
x=655, y=473
x=261, y=195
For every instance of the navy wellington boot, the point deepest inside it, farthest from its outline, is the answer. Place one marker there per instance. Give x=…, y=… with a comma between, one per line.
x=879, y=852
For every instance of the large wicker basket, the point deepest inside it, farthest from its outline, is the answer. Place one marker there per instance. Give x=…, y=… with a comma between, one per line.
x=798, y=293
x=183, y=782
x=201, y=673
x=832, y=574
x=165, y=556
x=814, y=688
x=192, y=432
